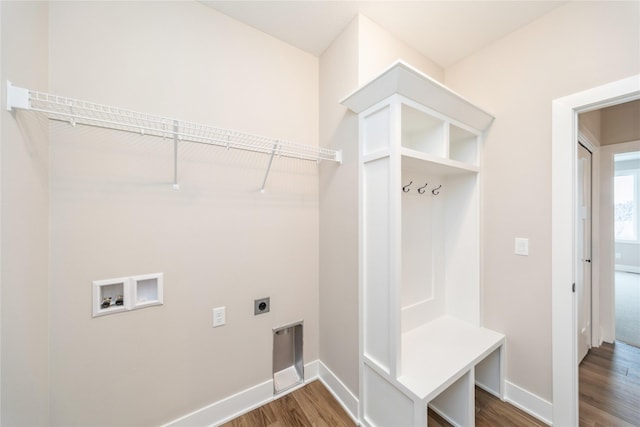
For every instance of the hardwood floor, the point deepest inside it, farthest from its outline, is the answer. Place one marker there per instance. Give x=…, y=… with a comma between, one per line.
x=609, y=396
x=311, y=405
x=610, y=386
x=492, y=412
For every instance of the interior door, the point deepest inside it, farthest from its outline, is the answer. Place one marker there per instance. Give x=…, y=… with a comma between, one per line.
x=583, y=276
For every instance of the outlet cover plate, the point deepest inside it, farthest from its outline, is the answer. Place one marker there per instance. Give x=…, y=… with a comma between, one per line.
x=522, y=246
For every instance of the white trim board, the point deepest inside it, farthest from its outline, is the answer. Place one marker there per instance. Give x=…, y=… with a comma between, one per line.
x=240, y=403
x=251, y=398
x=343, y=395
x=530, y=403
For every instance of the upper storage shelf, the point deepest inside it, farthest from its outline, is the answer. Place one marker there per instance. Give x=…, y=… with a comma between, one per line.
x=438, y=127
x=403, y=79
x=87, y=113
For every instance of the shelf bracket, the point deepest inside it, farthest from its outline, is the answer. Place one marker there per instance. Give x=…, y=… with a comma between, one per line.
x=273, y=153
x=17, y=97
x=176, y=186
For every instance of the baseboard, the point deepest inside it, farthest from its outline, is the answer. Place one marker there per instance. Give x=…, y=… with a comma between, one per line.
x=530, y=403
x=240, y=403
x=337, y=388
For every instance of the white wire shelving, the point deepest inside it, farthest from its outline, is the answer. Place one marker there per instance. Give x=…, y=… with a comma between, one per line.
x=78, y=112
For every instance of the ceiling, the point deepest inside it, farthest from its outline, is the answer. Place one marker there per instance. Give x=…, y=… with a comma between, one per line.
x=444, y=31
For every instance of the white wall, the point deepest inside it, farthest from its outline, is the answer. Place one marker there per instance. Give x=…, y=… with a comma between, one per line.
x=24, y=222
x=218, y=240
x=620, y=123
x=575, y=47
x=590, y=125
x=339, y=211
x=378, y=49
x=362, y=51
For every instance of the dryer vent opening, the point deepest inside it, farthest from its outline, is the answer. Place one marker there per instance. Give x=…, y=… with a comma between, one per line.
x=288, y=365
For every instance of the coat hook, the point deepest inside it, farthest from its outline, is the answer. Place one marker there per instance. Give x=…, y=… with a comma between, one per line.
x=435, y=192
x=421, y=190
x=405, y=189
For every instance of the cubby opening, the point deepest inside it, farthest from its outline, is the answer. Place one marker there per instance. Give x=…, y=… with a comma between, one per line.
x=422, y=132
x=489, y=372
x=463, y=145
x=438, y=214
x=423, y=279
x=455, y=403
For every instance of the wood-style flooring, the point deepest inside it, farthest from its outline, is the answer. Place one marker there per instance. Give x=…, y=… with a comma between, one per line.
x=610, y=386
x=492, y=412
x=609, y=397
x=311, y=405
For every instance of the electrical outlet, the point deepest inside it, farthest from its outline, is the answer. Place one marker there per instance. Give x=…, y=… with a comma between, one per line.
x=219, y=316
x=261, y=306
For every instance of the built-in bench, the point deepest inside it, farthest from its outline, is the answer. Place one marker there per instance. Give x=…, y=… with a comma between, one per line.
x=442, y=361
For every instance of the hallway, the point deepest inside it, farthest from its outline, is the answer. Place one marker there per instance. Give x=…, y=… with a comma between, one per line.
x=610, y=386
x=627, y=298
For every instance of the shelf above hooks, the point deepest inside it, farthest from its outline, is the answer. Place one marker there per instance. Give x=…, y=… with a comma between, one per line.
x=87, y=113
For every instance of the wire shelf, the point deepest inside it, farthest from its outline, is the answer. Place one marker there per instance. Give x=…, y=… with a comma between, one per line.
x=78, y=112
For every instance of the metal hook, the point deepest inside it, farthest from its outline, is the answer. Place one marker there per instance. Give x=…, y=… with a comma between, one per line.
x=405, y=189
x=421, y=190
x=434, y=190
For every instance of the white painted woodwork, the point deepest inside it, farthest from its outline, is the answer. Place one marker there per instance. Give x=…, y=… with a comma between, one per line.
x=422, y=341
x=454, y=347
x=403, y=79
x=455, y=404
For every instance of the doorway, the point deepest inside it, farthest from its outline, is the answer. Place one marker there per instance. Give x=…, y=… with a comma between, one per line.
x=584, y=243
x=563, y=256
x=626, y=204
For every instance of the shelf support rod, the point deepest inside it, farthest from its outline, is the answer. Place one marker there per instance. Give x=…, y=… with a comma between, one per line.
x=176, y=186
x=273, y=153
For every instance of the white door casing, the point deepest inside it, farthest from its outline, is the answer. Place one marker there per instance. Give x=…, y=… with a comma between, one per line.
x=564, y=141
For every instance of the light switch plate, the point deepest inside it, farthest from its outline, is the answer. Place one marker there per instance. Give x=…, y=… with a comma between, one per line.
x=219, y=316
x=522, y=246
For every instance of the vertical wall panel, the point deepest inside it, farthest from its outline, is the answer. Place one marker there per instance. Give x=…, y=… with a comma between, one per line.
x=376, y=261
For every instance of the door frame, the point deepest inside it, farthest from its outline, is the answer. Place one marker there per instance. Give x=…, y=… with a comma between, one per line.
x=564, y=147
